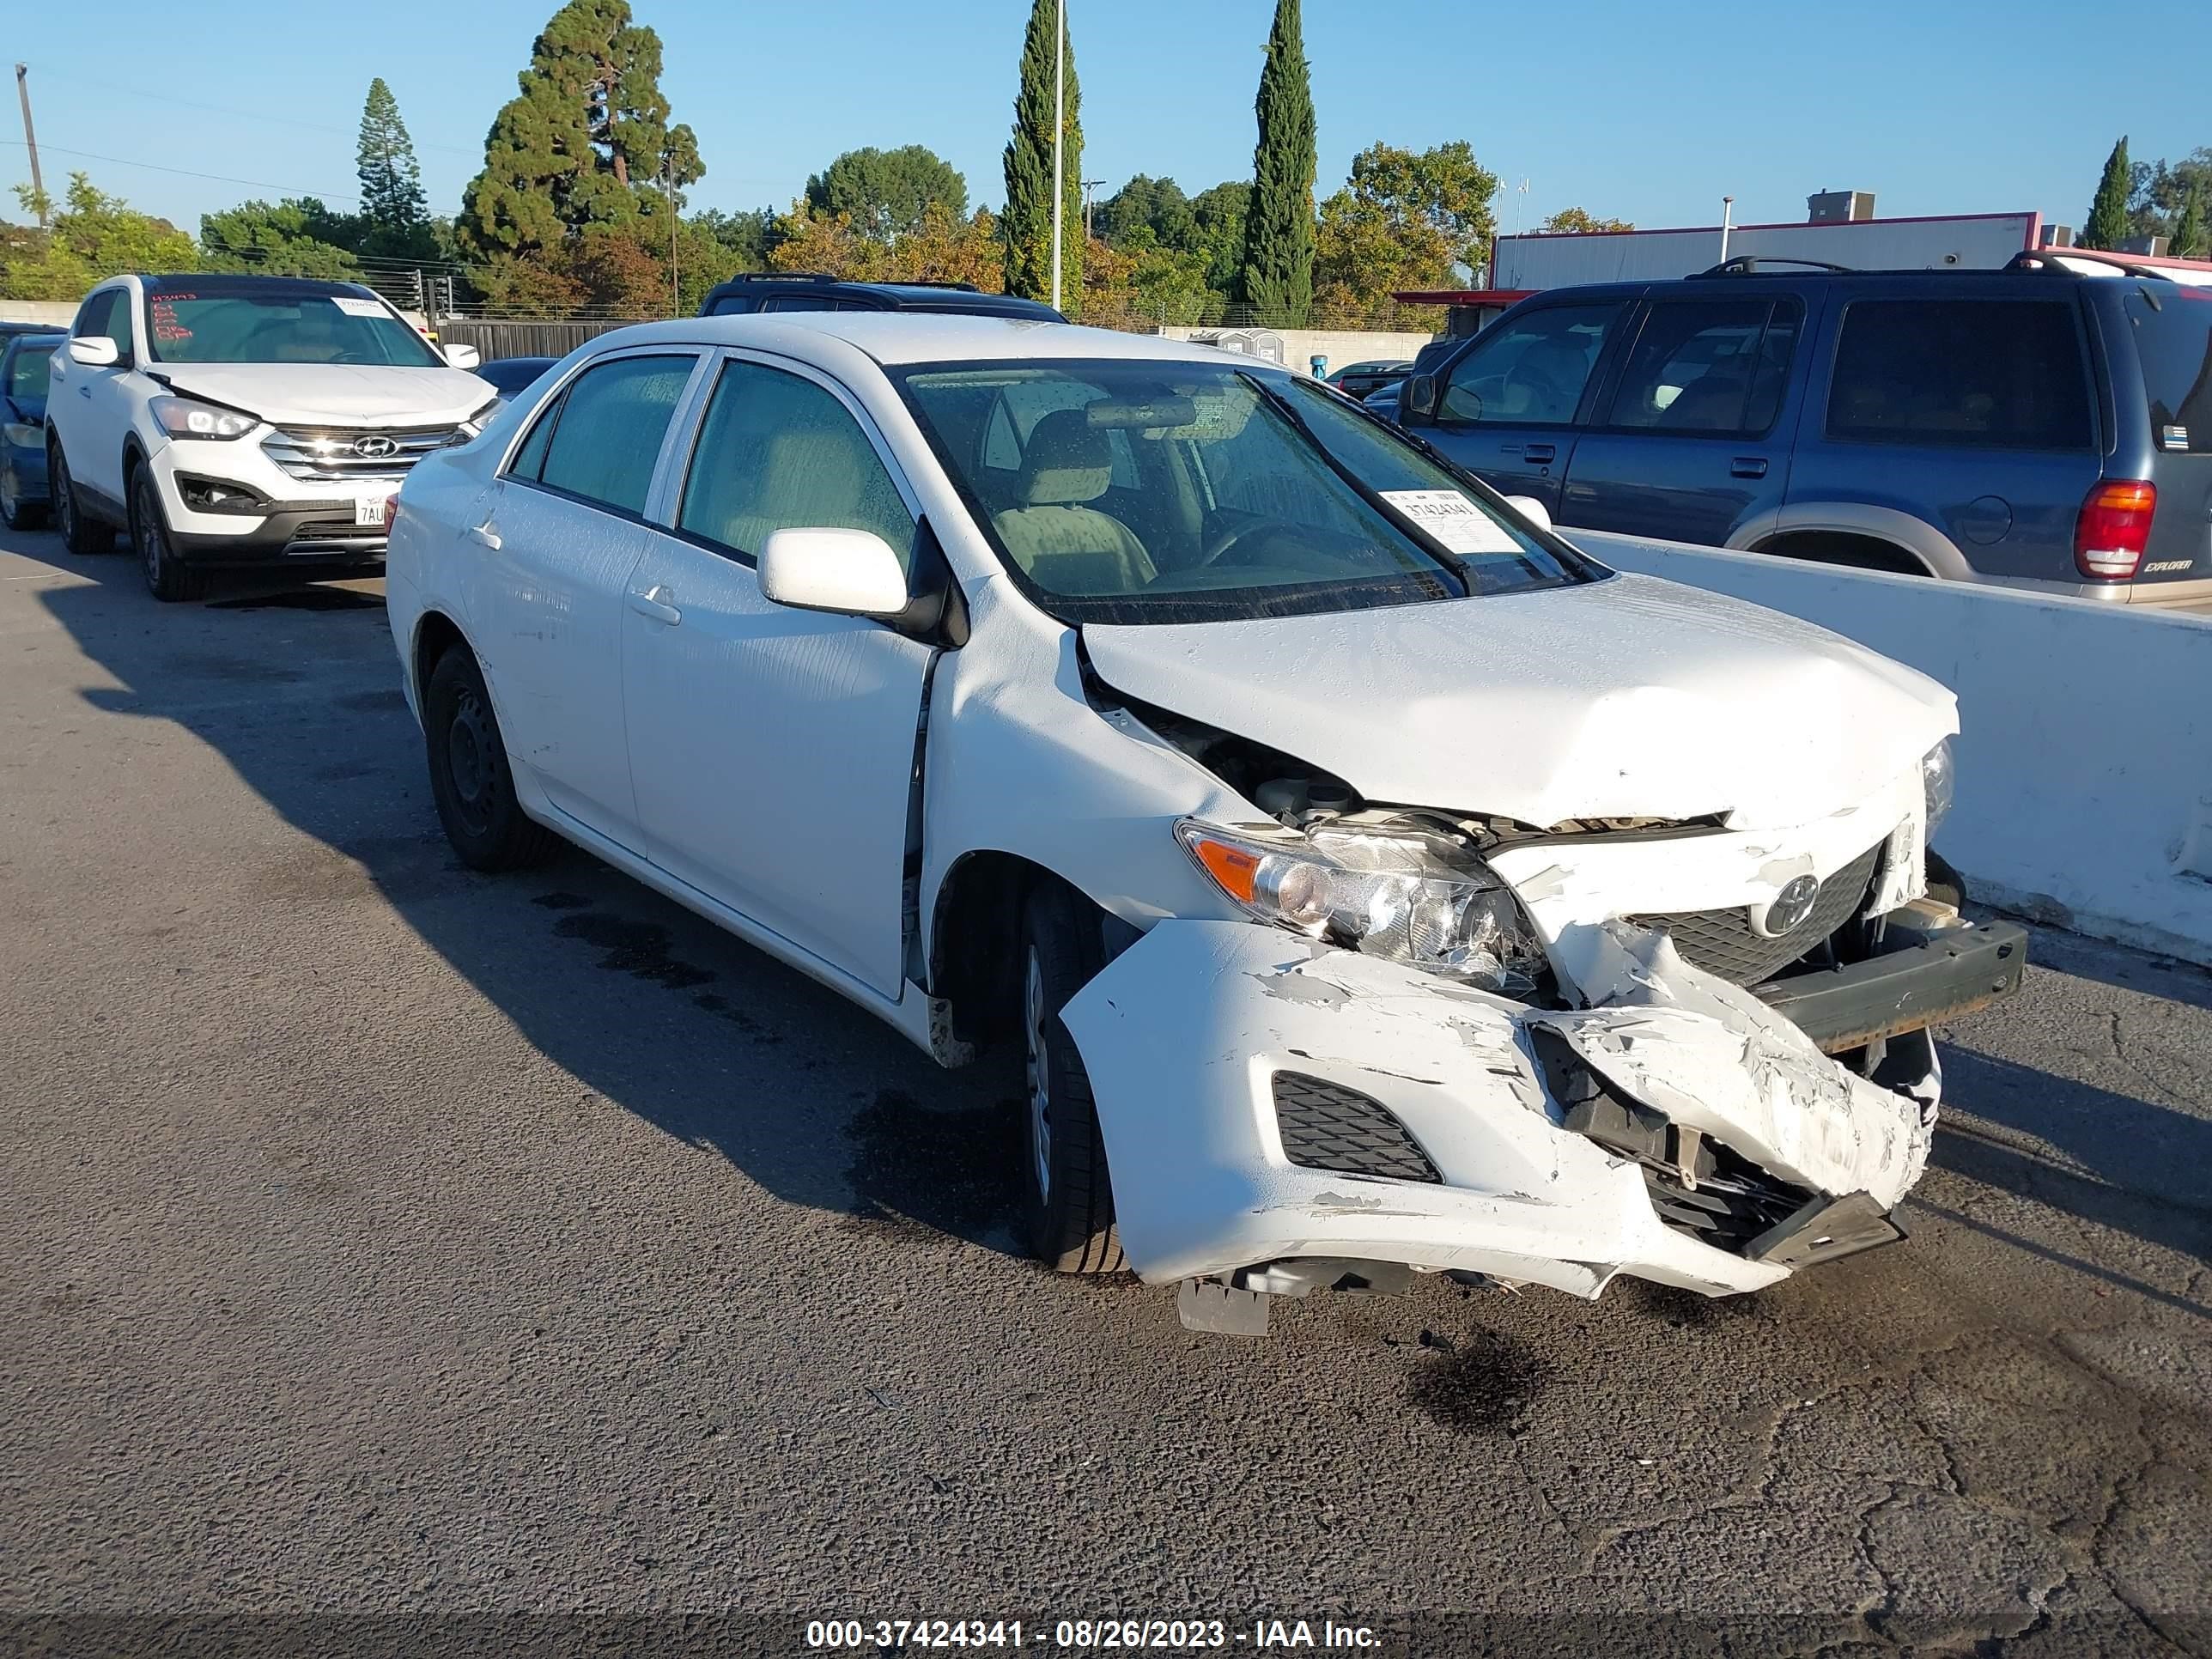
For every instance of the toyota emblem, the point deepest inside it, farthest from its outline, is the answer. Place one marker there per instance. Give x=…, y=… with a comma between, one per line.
x=374, y=447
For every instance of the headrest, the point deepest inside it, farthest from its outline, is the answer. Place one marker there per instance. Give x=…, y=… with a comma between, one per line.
x=1068, y=460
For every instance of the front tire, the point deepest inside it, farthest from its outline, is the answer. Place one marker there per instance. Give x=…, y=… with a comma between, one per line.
x=168, y=579
x=15, y=512
x=82, y=534
x=1070, y=1194
x=470, y=777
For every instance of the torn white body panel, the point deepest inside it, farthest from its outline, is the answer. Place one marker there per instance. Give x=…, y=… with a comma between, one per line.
x=1183, y=1034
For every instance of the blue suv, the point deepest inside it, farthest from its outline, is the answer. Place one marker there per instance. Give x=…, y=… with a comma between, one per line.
x=2040, y=426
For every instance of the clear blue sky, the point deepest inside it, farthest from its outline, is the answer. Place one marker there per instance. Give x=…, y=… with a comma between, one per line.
x=1648, y=113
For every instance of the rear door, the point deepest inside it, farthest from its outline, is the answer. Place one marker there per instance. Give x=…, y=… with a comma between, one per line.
x=1964, y=402
x=1692, y=442
x=1508, y=407
x=2172, y=327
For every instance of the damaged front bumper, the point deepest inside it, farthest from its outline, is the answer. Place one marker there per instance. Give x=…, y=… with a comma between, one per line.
x=1267, y=1100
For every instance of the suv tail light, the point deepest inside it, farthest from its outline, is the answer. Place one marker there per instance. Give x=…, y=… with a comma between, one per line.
x=2114, y=527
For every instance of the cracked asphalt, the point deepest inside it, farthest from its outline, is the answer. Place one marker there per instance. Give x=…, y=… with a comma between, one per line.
x=385, y=1239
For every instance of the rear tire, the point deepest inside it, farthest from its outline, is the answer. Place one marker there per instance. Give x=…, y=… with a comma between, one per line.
x=168, y=579
x=1070, y=1194
x=80, y=534
x=470, y=777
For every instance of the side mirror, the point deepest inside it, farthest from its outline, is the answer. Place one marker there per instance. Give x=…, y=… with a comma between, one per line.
x=463, y=357
x=1417, y=400
x=94, y=351
x=849, y=573
x=1531, y=509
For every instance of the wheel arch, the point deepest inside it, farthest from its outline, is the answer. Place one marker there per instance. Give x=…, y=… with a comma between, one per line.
x=435, y=633
x=975, y=924
x=1909, y=537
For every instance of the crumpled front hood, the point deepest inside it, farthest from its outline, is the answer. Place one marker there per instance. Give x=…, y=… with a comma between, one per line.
x=1631, y=697
x=336, y=394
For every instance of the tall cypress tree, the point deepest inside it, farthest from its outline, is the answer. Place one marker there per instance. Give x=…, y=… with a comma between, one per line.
x=1277, y=280
x=1027, y=223
x=2107, y=226
x=391, y=180
x=2188, y=241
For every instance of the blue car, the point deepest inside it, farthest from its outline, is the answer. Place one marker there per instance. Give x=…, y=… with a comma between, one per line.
x=23, y=362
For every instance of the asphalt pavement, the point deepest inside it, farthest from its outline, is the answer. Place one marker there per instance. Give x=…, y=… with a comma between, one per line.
x=383, y=1239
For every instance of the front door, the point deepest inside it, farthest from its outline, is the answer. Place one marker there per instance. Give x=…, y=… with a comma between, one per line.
x=773, y=749
x=1695, y=439
x=552, y=544
x=102, y=397
x=1507, y=408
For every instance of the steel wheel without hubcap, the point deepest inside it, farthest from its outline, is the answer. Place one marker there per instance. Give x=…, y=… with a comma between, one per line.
x=468, y=762
x=469, y=775
x=1038, y=1068
x=1069, y=1196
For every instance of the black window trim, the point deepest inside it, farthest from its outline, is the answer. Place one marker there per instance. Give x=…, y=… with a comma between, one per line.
x=2094, y=375
x=556, y=405
x=118, y=297
x=695, y=419
x=1617, y=376
x=1601, y=374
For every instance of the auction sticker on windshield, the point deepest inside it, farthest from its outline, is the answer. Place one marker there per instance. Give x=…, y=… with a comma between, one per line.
x=356, y=308
x=1453, y=519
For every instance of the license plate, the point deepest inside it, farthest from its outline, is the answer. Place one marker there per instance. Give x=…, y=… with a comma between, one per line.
x=369, y=510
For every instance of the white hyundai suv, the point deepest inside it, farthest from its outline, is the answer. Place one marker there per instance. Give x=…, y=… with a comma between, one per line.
x=244, y=421
x=1372, y=882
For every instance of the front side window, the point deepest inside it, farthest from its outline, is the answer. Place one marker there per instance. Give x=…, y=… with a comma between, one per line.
x=1708, y=366
x=1977, y=374
x=208, y=320
x=777, y=451
x=1246, y=494
x=603, y=441
x=1530, y=370
x=105, y=316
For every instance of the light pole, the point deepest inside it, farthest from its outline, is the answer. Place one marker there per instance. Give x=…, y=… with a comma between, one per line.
x=1727, y=219
x=1059, y=136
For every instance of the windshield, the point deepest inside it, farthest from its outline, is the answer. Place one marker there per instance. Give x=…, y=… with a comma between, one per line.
x=209, y=322
x=1136, y=491
x=26, y=375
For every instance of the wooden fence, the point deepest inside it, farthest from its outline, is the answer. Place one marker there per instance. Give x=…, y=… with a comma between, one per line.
x=504, y=339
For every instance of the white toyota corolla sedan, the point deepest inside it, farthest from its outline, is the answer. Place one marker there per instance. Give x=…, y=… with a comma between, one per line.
x=1375, y=883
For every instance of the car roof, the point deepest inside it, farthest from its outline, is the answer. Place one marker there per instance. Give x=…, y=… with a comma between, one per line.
x=924, y=337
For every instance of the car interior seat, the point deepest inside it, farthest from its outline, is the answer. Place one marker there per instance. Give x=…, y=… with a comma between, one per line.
x=1065, y=544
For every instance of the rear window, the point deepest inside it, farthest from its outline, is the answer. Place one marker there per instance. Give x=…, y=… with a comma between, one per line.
x=2173, y=338
x=1976, y=374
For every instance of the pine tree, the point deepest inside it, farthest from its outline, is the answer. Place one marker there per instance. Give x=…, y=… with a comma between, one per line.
x=391, y=180
x=2188, y=241
x=584, y=138
x=2107, y=225
x=1027, y=223
x=1276, y=281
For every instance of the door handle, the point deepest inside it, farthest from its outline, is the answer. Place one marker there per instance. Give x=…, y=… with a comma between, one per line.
x=1747, y=466
x=488, y=533
x=653, y=605
x=84, y=391
x=1540, y=452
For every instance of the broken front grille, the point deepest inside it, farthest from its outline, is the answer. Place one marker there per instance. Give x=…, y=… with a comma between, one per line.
x=1723, y=942
x=1326, y=1126
x=331, y=453
x=1731, y=1205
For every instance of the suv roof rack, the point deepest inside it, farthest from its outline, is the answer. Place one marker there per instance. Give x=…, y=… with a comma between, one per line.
x=783, y=276
x=2053, y=259
x=1747, y=265
x=925, y=281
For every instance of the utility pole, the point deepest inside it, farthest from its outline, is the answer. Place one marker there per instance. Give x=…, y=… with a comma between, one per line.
x=1728, y=217
x=1059, y=137
x=675, y=288
x=1089, y=187
x=31, y=138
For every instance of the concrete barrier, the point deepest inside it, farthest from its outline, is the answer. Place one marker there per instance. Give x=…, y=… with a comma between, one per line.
x=2085, y=753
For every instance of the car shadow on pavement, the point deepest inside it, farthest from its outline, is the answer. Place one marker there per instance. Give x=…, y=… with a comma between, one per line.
x=723, y=1048
x=648, y=1005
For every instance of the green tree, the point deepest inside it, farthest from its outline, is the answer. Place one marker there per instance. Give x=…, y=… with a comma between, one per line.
x=1027, y=223
x=1219, y=215
x=1276, y=281
x=296, y=237
x=2189, y=239
x=745, y=240
x=1403, y=221
x=584, y=139
x=1155, y=206
x=1574, y=221
x=2162, y=192
x=2107, y=224
x=889, y=191
x=94, y=235
x=391, y=204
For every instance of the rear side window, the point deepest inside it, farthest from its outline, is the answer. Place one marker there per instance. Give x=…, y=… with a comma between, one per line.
x=1977, y=374
x=776, y=451
x=1708, y=366
x=2173, y=338
x=1528, y=370
x=601, y=444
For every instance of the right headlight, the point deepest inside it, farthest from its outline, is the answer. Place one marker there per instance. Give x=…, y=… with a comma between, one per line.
x=1392, y=893
x=1939, y=777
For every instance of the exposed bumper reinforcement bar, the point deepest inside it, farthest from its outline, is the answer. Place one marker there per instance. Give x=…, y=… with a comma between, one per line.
x=1954, y=972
